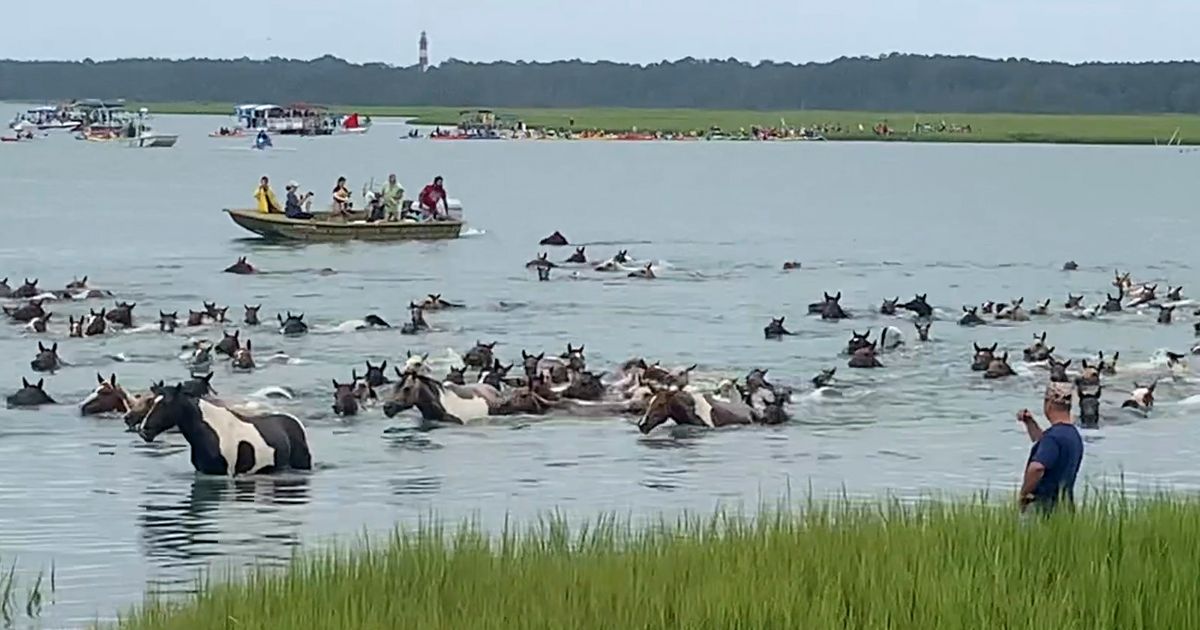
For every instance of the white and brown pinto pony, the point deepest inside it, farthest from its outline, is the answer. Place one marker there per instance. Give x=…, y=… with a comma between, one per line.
x=226, y=443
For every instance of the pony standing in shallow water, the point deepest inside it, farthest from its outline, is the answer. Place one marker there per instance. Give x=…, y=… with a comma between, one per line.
x=224, y=443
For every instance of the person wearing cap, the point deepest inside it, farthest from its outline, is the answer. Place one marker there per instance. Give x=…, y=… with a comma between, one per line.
x=295, y=202
x=1057, y=452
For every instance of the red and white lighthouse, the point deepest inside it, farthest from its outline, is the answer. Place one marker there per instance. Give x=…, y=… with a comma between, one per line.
x=423, y=59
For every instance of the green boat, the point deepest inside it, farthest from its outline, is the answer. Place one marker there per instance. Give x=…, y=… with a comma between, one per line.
x=325, y=227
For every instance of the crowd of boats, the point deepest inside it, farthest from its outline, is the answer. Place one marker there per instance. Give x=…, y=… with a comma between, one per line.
x=99, y=120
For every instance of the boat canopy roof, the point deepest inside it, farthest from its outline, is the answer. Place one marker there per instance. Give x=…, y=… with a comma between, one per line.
x=102, y=103
x=43, y=108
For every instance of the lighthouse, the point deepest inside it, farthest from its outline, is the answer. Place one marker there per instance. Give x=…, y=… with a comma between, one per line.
x=423, y=58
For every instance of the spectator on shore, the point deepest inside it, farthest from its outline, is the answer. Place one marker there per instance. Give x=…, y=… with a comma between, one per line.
x=1056, y=455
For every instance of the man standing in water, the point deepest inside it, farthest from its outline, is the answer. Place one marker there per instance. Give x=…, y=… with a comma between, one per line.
x=1056, y=454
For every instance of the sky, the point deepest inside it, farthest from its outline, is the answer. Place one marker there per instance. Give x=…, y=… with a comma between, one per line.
x=640, y=31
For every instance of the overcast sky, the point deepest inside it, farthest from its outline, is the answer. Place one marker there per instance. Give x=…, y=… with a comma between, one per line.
x=621, y=30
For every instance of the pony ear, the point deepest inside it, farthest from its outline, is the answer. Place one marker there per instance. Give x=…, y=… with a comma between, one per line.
x=383, y=366
x=42, y=382
x=247, y=345
x=99, y=378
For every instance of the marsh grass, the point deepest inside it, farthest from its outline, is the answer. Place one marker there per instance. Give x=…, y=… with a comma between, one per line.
x=996, y=127
x=964, y=564
x=16, y=600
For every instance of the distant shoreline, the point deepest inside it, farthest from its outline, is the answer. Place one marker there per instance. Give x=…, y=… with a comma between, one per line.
x=1116, y=129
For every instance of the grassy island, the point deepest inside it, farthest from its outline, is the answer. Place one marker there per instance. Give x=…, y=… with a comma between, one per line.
x=834, y=125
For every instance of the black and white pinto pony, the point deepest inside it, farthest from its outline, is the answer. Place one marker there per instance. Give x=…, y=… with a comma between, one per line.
x=224, y=442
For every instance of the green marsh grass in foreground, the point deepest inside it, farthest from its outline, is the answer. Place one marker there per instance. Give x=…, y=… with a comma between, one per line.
x=1019, y=128
x=959, y=565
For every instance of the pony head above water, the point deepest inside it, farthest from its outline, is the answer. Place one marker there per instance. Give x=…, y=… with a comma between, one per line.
x=292, y=325
x=543, y=274
x=888, y=307
x=919, y=306
x=922, y=329
x=241, y=267
x=1058, y=370
x=1164, y=314
x=108, y=397
x=457, y=375
x=1039, y=351
x=579, y=257
x=775, y=329
x=27, y=290
x=574, y=358
x=47, y=359
x=229, y=344
x=858, y=341
x=831, y=307
x=865, y=357
x=1042, y=308
x=243, y=359
x=971, y=317
x=1113, y=304
x=215, y=313
x=345, y=402
x=824, y=379
x=195, y=318
x=999, y=367
x=481, y=356
x=251, y=316
x=95, y=323
x=645, y=273
x=1073, y=302
x=376, y=375
x=1174, y=294
x=122, y=314
x=983, y=357
x=31, y=395
x=77, y=284
x=74, y=327
x=1108, y=367
x=167, y=322
x=1070, y=265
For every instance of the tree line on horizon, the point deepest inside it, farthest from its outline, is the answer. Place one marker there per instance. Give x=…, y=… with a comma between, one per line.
x=895, y=82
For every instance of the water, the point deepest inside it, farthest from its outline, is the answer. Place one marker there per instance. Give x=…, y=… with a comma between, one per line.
x=116, y=517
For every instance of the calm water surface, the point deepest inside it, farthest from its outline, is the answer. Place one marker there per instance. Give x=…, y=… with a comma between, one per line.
x=116, y=517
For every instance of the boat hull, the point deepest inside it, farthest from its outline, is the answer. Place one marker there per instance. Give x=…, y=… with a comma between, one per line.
x=277, y=227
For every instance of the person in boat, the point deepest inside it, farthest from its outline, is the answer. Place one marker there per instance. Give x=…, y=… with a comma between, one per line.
x=392, y=195
x=296, y=203
x=267, y=203
x=375, y=207
x=341, y=196
x=431, y=195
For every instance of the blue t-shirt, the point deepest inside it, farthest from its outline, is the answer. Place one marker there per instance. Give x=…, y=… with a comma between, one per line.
x=1061, y=451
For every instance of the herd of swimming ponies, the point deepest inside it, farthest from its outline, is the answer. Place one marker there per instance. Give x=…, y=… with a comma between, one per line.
x=234, y=439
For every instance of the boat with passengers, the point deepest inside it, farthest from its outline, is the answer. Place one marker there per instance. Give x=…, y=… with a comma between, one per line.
x=48, y=118
x=299, y=119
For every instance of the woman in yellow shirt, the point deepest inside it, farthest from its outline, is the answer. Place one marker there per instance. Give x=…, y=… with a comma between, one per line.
x=267, y=203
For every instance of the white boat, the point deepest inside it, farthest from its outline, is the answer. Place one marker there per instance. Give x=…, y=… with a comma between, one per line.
x=47, y=118
x=299, y=119
x=148, y=140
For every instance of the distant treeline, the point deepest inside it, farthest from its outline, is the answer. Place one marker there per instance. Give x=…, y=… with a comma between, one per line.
x=893, y=82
